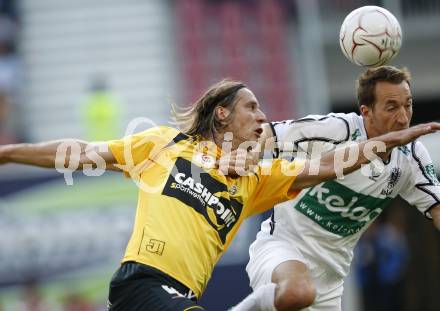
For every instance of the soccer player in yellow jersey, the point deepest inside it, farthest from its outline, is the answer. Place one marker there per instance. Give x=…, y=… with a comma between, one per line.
x=188, y=210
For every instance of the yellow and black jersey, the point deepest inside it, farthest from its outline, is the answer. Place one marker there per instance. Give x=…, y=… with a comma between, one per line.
x=188, y=212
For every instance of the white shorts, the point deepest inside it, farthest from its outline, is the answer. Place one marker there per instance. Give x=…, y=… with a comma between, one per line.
x=267, y=252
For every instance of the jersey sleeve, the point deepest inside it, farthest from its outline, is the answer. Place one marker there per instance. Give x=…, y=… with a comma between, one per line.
x=313, y=135
x=133, y=151
x=423, y=188
x=274, y=182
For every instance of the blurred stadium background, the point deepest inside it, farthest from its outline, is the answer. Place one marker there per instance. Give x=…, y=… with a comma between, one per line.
x=85, y=68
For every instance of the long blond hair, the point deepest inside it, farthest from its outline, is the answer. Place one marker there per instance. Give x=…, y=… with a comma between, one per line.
x=200, y=118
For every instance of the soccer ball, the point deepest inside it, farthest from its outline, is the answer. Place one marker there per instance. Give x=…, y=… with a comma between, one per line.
x=370, y=36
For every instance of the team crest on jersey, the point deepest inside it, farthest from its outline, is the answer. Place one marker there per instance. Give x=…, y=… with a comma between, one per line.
x=395, y=175
x=197, y=189
x=204, y=160
x=233, y=190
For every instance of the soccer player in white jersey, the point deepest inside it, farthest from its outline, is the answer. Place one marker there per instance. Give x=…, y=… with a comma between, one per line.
x=304, y=250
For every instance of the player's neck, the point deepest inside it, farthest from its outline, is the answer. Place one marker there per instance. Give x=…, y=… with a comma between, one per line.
x=226, y=141
x=215, y=138
x=369, y=129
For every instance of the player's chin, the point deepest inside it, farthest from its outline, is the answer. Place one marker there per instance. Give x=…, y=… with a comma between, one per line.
x=251, y=139
x=251, y=136
x=257, y=133
x=256, y=136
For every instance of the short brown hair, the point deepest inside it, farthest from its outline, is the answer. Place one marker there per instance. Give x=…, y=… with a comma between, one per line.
x=366, y=83
x=200, y=117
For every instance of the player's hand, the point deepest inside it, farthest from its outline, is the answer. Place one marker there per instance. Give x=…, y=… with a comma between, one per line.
x=406, y=136
x=239, y=162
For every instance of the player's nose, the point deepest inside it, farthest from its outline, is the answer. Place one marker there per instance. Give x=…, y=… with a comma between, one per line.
x=403, y=118
x=261, y=117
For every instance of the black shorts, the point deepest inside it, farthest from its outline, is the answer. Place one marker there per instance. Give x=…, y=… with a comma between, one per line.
x=138, y=287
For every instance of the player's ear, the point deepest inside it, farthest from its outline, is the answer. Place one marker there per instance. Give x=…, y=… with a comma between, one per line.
x=222, y=113
x=365, y=111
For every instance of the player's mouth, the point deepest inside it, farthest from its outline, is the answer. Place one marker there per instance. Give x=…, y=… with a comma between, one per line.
x=259, y=131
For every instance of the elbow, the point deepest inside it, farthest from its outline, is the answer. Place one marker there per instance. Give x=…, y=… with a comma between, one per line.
x=74, y=160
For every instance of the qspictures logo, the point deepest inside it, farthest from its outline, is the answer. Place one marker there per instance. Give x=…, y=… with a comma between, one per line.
x=197, y=189
x=72, y=155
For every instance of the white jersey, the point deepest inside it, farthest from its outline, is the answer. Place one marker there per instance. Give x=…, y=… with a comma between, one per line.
x=326, y=221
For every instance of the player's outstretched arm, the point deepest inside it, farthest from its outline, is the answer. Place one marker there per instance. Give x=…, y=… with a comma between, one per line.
x=58, y=152
x=348, y=159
